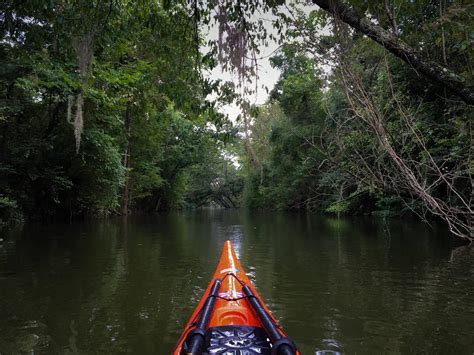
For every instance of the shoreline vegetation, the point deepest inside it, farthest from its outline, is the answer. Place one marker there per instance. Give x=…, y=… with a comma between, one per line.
x=106, y=109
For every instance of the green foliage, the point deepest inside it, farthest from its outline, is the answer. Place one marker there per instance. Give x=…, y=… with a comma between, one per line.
x=9, y=211
x=322, y=151
x=338, y=207
x=150, y=140
x=98, y=175
x=144, y=110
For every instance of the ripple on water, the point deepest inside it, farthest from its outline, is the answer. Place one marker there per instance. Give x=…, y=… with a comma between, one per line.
x=332, y=290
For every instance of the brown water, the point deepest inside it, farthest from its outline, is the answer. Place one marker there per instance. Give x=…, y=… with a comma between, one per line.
x=129, y=286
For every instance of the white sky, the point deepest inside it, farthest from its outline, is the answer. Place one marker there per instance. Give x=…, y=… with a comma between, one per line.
x=267, y=75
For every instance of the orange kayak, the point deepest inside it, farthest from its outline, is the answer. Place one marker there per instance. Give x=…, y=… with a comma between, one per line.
x=231, y=318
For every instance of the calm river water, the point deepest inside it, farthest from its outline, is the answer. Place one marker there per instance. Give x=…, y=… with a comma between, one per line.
x=129, y=286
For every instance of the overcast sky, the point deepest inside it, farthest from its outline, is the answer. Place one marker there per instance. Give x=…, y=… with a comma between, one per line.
x=267, y=75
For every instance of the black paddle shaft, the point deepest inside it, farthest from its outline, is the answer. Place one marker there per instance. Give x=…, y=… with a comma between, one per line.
x=281, y=345
x=195, y=341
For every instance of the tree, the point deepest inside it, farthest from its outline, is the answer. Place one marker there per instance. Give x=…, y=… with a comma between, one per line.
x=89, y=93
x=399, y=48
x=387, y=144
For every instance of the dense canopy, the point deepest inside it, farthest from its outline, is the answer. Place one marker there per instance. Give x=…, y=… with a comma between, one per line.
x=107, y=107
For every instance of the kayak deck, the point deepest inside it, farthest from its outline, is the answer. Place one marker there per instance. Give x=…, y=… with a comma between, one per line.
x=231, y=318
x=235, y=339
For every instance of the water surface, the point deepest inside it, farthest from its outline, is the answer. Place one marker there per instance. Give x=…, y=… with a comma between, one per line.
x=129, y=286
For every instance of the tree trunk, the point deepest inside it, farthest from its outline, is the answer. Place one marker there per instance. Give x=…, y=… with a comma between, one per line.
x=396, y=46
x=126, y=164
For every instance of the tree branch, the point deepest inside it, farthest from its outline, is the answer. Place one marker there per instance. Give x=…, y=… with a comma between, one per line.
x=396, y=46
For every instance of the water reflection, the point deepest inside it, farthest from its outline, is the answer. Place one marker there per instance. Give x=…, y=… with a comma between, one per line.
x=327, y=352
x=337, y=285
x=235, y=235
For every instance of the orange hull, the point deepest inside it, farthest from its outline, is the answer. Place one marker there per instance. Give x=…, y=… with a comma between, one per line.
x=232, y=306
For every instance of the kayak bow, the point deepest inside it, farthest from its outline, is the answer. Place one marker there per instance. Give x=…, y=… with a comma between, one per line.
x=231, y=318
